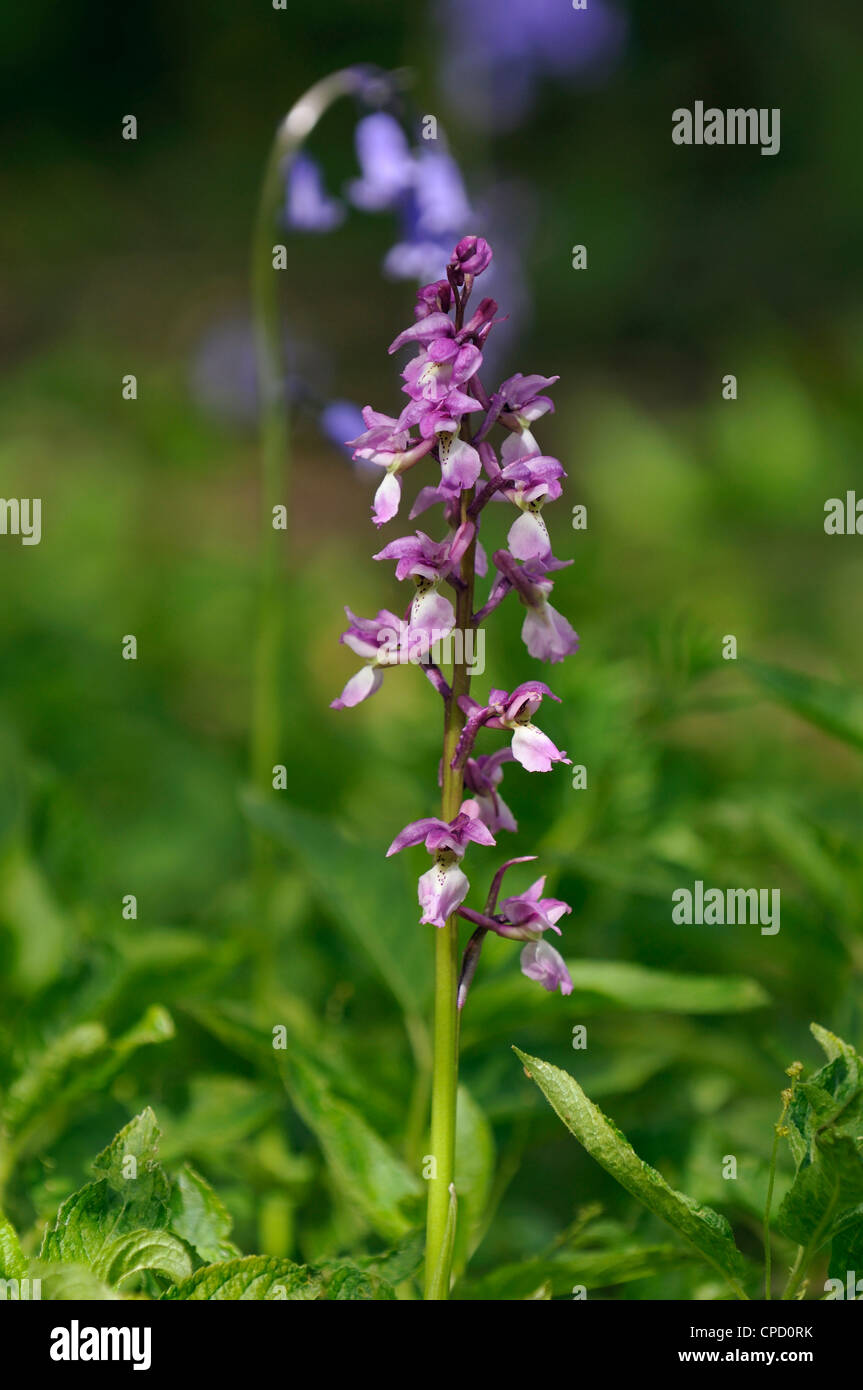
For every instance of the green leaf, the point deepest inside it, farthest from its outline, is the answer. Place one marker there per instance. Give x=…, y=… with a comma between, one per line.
x=130, y=1196
x=40, y=1083
x=398, y=1264
x=825, y=1123
x=834, y=1047
x=253, y=1277
x=564, y=1269
x=348, y=1283
x=846, y=1251
x=139, y=1140
x=135, y=1251
x=362, y=1166
x=600, y=986
x=12, y=1261
x=836, y=709
x=702, y=1227
x=78, y=1063
x=373, y=899
x=28, y=910
x=474, y=1175
x=63, y=1282
x=201, y=1217
x=222, y=1110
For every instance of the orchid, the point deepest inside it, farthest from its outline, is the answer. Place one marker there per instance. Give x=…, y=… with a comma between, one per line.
x=453, y=416
x=390, y=641
x=444, y=887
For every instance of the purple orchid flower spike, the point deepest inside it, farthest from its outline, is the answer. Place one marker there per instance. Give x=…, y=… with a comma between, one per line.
x=444, y=887
x=445, y=395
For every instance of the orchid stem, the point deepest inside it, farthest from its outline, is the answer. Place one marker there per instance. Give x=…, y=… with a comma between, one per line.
x=446, y=1018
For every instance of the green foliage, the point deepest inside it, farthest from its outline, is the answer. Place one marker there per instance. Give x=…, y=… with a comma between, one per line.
x=702, y=1227
x=825, y=1122
x=136, y=1231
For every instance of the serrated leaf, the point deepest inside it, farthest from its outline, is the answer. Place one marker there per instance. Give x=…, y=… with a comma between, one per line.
x=117, y=1204
x=703, y=1228
x=252, y=1277
x=825, y=1135
x=135, y=1251
x=139, y=1139
x=201, y=1217
x=363, y=1167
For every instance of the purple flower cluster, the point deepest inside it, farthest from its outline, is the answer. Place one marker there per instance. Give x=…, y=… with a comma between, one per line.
x=447, y=421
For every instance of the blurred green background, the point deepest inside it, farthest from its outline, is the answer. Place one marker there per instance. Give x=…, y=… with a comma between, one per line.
x=705, y=519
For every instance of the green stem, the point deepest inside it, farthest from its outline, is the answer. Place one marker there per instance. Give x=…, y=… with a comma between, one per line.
x=446, y=1019
x=770, y=1182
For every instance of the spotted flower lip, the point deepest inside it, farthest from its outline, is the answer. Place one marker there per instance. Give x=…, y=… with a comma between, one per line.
x=443, y=888
x=441, y=891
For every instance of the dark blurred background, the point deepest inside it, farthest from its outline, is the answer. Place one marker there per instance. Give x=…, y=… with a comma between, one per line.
x=705, y=519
